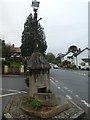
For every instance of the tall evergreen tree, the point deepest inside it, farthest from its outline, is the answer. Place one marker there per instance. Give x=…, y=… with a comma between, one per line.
x=73, y=49
x=32, y=36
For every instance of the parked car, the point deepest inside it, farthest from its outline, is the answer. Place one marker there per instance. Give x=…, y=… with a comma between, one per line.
x=55, y=66
x=84, y=66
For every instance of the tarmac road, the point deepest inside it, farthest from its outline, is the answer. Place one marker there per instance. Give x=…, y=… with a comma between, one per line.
x=11, y=85
x=73, y=84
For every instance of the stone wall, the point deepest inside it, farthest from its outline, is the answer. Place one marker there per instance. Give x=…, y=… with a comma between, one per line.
x=11, y=70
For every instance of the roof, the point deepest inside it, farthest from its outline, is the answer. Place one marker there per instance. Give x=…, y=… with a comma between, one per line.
x=37, y=61
x=17, y=49
x=86, y=60
x=76, y=54
x=70, y=56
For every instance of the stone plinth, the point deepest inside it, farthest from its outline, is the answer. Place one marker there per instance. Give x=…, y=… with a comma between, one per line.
x=46, y=110
x=46, y=99
x=13, y=110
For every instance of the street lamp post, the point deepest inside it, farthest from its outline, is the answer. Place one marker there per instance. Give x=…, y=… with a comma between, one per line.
x=35, y=5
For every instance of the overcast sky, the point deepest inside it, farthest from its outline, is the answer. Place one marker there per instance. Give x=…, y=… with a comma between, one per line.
x=65, y=22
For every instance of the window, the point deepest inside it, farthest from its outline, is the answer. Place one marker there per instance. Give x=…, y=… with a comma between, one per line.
x=82, y=64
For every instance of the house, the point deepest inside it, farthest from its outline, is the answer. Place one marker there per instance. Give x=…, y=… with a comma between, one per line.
x=82, y=59
x=17, y=52
x=69, y=57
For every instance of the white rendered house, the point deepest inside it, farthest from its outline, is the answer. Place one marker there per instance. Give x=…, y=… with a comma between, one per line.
x=82, y=59
x=69, y=57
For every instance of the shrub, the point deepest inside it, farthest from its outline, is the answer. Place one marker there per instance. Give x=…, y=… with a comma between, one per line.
x=35, y=103
x=16, y=64
x=72, y=66
x=5, y=63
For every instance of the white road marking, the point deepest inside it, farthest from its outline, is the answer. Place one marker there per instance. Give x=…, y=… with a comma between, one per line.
x=77, y=96
x=84, y=74
x=9, y=90
x=54, y=83
x=68, y=97
x=83, y=101
x=59, y=88
x=66, y=88
x=70, y=91
x=9, y=94
x=87, y=104
x=13, y=90
x=75, y=104
x=80, y=73
x=23, y=92
x=51, y=78
x=12, y=94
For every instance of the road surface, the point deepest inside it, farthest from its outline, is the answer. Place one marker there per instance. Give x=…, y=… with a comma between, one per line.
x=72, y=84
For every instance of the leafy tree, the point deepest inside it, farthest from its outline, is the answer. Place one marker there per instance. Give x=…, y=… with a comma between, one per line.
x=60, y=55
x=66, y=63
x=58, y=59
x=32, y=36
x=50, y=58
x=73, y=49
x=7, y=50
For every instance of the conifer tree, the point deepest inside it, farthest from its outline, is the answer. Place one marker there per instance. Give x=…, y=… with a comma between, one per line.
x=32, y=36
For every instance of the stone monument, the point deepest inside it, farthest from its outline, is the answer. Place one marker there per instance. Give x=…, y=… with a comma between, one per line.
x=39, y=89
x=39, y=81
